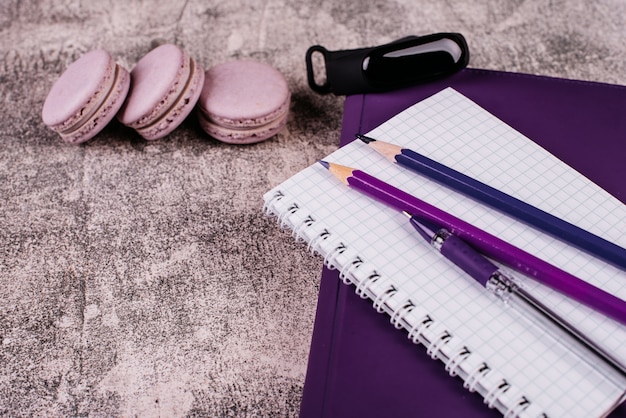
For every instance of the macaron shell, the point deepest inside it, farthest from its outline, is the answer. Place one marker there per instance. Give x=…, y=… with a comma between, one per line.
x=105, y=113
x=177, y=113
x=243, y=94
x=157, y=82
x=79, y=91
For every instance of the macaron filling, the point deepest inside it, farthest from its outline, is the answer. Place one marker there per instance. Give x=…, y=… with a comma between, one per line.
x=246, y=123
x=243, y=135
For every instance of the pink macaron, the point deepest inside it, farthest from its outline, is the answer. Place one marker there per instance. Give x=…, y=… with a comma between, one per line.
x=243, y=102
x=86, y=97
x=165, y=86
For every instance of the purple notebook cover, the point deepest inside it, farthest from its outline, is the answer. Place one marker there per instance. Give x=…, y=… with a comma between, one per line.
x=359, y=364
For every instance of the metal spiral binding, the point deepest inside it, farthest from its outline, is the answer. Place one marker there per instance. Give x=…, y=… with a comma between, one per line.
x=379, y=302
x=269, y=203
x=329, y=259
x=453, y=363
x=520, y=407
x=418, y=329
x=495, y=392
x=475, y=376
x=282, y=218
x=300, y=228
x=313, y=246
x=363, y=286
x=435, y=346
x=399, y=314
x=348, y=268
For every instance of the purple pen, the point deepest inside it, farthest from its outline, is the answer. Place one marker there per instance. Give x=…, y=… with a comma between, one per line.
x=505, y=288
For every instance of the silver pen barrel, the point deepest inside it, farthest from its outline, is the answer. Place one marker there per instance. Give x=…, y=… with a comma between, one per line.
x=507, y=290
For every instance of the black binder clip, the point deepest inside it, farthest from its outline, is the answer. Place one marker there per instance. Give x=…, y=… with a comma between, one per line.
x=401, y=63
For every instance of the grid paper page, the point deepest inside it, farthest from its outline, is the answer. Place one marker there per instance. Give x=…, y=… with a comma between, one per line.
x=474, y=142
x=453, y=130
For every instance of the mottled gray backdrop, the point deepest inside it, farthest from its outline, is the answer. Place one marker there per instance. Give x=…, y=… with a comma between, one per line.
x=141, y=278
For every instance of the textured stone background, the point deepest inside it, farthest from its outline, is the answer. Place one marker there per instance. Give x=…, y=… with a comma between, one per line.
x=142, y=278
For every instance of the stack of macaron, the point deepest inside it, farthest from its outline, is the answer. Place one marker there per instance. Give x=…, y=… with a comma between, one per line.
x=239, y=102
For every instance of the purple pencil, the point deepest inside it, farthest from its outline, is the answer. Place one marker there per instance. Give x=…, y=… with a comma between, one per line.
x=484, y=242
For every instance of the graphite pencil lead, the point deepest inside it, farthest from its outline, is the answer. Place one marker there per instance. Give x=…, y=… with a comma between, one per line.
x=324, y=164
x=340, y=171
x=386, y=149
x=364, y=138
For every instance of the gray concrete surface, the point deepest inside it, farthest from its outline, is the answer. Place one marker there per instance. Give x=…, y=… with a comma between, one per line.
x=141, y=278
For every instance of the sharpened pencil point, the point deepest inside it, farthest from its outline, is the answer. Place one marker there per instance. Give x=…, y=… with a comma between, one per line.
x=364, y=138
x=340, y=171
x=388, y=150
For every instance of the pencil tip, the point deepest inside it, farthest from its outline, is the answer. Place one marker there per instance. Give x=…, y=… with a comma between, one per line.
x=365, y=139
x=340, y=171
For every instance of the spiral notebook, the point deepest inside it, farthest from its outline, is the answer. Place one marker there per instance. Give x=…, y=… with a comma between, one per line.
x=516, y=366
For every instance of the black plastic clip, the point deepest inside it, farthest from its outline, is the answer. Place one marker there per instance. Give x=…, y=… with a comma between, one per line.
x=401, y=63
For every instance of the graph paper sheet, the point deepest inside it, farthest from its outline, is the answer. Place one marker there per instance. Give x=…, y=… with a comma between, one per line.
x=526, y=371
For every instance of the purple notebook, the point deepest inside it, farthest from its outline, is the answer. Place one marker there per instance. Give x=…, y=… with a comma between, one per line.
x=580, y=122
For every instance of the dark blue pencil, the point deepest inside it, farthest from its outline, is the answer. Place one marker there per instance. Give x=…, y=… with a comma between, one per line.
x=563, y=230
